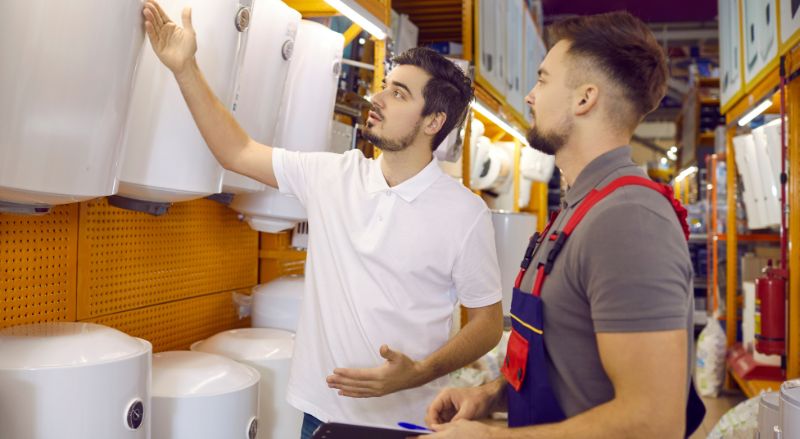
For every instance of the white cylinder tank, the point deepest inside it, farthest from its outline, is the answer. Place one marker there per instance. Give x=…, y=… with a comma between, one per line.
x=269, y=351
x=203, y=396
x=64, y=98
x=166, y=159
x=790, y=409
x=262, y=77
x=276, y=304
x=73, y=380
x=304, y=123
x=512, y=232
x=768, y=413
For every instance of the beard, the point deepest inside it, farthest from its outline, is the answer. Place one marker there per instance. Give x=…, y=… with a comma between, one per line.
x=392, y=145
x=549, y=143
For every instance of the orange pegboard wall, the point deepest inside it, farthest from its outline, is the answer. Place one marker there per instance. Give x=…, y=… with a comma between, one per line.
x=38, y=266
x=129, y=260
x=176, y=325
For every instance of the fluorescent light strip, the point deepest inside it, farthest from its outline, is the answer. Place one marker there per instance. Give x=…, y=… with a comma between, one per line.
x=755, y=112
x=477, y=106
x=685, y=173
x=359, y=16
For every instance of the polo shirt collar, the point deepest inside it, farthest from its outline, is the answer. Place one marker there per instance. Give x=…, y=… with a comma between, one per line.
x=410, y=189
x=597, y=171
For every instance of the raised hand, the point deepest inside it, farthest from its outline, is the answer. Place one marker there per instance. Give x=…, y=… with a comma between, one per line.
x=175, y=46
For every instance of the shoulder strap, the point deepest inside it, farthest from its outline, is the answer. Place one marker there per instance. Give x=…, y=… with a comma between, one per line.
x=595, y=196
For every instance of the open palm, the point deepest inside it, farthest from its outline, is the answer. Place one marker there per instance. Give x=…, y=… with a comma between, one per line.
x=175, y=46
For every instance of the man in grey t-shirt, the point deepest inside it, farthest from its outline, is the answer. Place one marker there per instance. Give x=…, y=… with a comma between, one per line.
x=618, y=301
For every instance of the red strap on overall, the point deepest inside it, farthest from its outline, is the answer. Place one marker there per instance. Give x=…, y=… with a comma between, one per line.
x=594, y=197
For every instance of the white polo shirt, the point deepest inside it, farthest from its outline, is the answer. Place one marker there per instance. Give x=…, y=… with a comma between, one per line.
x=385, y=266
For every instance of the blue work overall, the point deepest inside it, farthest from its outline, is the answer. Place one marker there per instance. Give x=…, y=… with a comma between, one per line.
x=531, y=399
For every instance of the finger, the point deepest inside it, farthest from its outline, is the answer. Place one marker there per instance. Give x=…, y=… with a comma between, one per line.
x=339, y=381
x=358, y=389
x=150, y=16
x=358, y=374
x=151, y=33
x=158, y=14
x=353, y=394
x=186, y=19
x=388, y=353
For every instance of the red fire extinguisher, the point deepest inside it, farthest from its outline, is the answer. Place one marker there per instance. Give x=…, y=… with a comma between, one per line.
x=770, y=325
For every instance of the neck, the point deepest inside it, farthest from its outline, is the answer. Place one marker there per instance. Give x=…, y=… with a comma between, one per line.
x=399, y=166
x=574, y=156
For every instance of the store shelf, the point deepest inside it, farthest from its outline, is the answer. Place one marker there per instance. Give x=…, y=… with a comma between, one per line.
x=753, y=388
x=752, y=237
x=698, y=238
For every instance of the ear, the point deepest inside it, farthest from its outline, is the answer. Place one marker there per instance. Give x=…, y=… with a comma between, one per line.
x=586, y=99
x=434, y=122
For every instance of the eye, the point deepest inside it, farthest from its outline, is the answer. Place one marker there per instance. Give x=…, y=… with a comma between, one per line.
x=397, y=94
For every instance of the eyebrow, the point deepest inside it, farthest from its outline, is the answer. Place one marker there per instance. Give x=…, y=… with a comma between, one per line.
x=401, y=85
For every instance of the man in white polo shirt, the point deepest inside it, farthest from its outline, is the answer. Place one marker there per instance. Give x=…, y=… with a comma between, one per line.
x=395, y=242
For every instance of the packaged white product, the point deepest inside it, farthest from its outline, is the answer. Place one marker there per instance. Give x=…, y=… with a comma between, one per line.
x=709, y=371
x=741, y=422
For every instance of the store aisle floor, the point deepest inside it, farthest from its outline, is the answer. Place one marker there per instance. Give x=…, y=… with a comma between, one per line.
x=715, y=408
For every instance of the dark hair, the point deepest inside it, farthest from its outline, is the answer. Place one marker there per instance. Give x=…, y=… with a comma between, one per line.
x=448, y=91
x=624, y=49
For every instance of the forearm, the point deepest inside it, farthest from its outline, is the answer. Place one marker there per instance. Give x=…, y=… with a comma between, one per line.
x=225, y=138
x=612, y=420
x=476, y=338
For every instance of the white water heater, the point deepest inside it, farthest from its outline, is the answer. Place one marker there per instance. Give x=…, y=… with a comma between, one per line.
x=512, y=231
x=73, y=380
x=166, y=159
x=64, y=98
x=304, y=123
x=203, y=396
x=269, y=351
x=276, y=304
x=262, y=77
x=790, y=409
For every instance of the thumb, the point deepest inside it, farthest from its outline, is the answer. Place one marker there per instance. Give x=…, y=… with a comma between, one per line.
x=186, y=18
x=388, y=354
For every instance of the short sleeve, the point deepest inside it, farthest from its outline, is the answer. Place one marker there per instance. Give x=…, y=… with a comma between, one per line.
x=476, y=273
x=636, y=271
x=299, y=174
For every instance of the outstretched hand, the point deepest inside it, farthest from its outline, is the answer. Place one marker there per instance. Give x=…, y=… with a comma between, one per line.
x=399, y=372
x=175, y=46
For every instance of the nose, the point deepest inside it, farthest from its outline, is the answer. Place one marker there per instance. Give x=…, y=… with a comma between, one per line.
x=529, y=98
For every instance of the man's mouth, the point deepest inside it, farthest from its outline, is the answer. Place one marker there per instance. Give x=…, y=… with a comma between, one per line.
x=373, y=116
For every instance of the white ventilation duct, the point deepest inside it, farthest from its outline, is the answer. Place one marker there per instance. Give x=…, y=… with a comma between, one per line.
x=267, y=55
x=73, y=380
x=64, y=98
x=166, y=159
x=304, y=123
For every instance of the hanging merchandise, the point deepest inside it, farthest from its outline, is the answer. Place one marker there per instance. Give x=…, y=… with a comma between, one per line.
x=73, y=380
x=64, y=98
x=203, y=396
x=166, y=159
x=515, y=55
x=709, y=371
x=262, y=78
x=754, y=198
x=492, y=167
x=304, y=122
x=268, y=351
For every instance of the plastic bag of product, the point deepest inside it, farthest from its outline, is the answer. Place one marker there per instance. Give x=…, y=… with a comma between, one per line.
x=741, y=422
x=709, y=371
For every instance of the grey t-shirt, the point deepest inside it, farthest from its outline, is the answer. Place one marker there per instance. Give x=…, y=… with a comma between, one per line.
x=625, y=268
